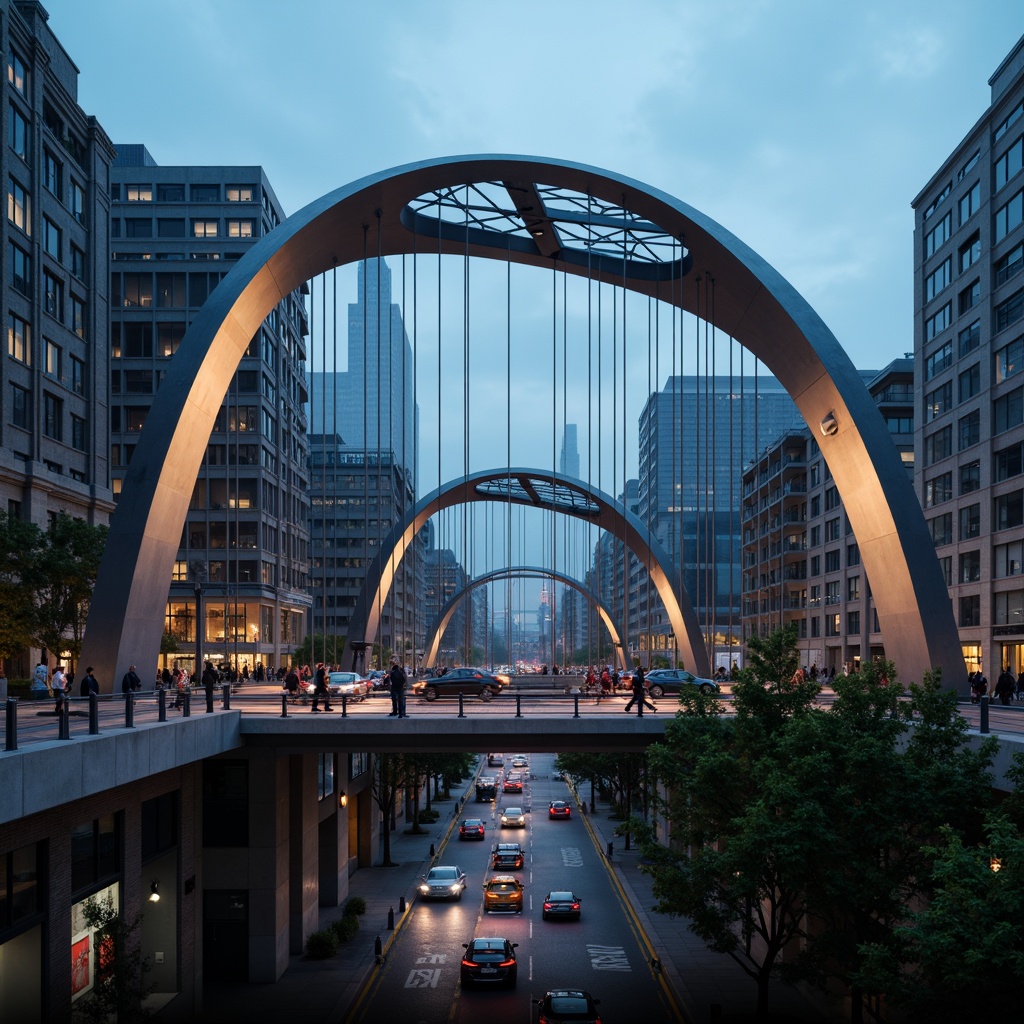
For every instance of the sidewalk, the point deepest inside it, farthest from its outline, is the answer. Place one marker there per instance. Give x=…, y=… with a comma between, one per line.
x=711, y=987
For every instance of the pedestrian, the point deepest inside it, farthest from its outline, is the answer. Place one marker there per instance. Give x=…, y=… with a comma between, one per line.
x=57, y=684
x=1005, y=685
x=291, y=685
x=605, y=682
x=209, y=679
x=40, y=682
x=320, y=689
x=130, y=682
x=1020, y=685
x=89, y=684
x=639, y=694
x=398, y=681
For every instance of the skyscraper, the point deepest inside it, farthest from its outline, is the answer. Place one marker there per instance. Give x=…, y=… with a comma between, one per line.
x=569, y=459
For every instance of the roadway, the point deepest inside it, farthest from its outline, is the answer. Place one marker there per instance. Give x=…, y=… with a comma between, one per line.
x=602, y=953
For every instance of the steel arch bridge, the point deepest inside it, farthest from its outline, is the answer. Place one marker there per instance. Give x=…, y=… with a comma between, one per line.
x=544, y=213
x=437, y=628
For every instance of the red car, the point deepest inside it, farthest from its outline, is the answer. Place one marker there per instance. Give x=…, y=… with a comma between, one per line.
x=512, y=785
x=559, y=809
x=471, y=828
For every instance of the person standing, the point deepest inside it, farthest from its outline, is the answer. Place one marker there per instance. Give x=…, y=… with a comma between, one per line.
x=89, y=684
x=1005, y=685
x=57, y=684
x=209, y=681
x=320, y=689
x=639, y=693
x=398, y=681
x=40, y=681
x=130, y=681
x=291, y=685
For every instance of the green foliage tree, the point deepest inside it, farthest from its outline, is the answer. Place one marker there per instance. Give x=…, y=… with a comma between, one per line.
x=64, y=571
x=19, y=542
x=388, y=776
x=317, y=647
x=120, y=980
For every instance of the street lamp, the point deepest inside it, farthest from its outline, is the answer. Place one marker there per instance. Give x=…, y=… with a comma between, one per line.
x=198, y=571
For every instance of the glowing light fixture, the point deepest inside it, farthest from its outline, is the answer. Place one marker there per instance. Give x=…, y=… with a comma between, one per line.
x=154, y=892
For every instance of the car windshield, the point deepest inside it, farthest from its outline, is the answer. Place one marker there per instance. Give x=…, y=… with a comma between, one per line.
x=568, y=1004
x=442, y=874
x=512, y=811
x=343, y=677
x=560, y=897
x=472, y=821
x=501, y=887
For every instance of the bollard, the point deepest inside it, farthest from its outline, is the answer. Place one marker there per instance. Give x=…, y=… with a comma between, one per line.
x=391, y=919
x=378, y=948
x=94, y=715
x=226, y=690
x=161, y=705
x=461, y=715
x=575, y=705
x=186, y=708
x=519, y=705
x=431, y=849
x=129, y=710
x=344, y=705
x=983, y=715
x=401, y=904
x=63, y=721
x=11, y=722
x=284, y=705
x=610, y=848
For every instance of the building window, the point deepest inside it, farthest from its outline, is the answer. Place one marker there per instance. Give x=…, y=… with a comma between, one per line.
x=970, y=202
x=938, y=322
x=17, y=135
x=937, y=237
x=970, y=252
x=170, y=290
x=1010, y=359
x=938, y=446
x=970, y=610
x=21, y=407
x=832, y=624
x=946, y=568
x=853, y=588
x=53, y=416
x=969, y=382
x=77, y=375
x=21, y=270
x=970, y=522
x=938, y=401
x=76, y=202
x=970, y=567
x=941, y=529
x=832, y=559
x=1008, y=608
x=241, y=228
x=938, y=200
x=938, y=279
x=1009, y=510
x=815, y=536
x=18, y=207
x=51, y=238
x=969, y=338
x=1008, y=410
x=1009, y=462
x=53, y=359
x=170, y=193
x=53, y=299
x=204, y=229
x=938, y=361
x=968, y=297
x=19, y=339
x=970, y=477
x=853, y=623
x=239, y=193
x=78, y=262
x=138, y=227
x=170, y=227
x=852, y=554
x=78, y=314
x=1010, y=265
x=1007, y=217
x=1008, y=122
x=832, y=531
x=938, y=490
x=138, y=193
x=1009, y=164
x=17, y=73
x=1010, y=310
x=970, y=429
x=205, y=193
x=1008, y=559
x=95, y=852
x=78, y=433
x=815, y=565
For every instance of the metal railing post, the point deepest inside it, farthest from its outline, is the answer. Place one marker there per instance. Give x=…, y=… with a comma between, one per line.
x=63, y=719
x=284, y=705
x=11, y=722
x=94, y=715
x=461, y=714
x=983, y=715
x=226, y=690
x=209, y=699
x=129, y=710
x=519, y=705
x=575, y=705
x=344, y=705
x=161, y=705
x=186, y=707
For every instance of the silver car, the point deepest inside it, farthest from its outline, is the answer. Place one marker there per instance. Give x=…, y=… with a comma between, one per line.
x=444, y=882
x=513, y=817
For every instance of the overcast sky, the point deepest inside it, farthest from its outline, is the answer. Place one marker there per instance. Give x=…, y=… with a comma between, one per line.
x=804, y=127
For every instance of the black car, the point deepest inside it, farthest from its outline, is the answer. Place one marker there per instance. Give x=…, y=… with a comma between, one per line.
x=470, y=682
x=561, y=903
x=489, y=961
x=565, y=1005
x=671, y=680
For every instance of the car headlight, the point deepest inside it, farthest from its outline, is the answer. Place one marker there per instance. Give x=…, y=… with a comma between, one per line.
x=424, y=888
x=455, y=887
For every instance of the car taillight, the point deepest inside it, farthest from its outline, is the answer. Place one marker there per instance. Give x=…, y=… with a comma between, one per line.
x=468, y=963
x=575, y=906
x=506, y=963
x=548, y=906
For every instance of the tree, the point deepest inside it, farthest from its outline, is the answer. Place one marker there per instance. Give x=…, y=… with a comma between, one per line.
x=64, y=574
x=387, y=778
x=317, y=647
x=19, y=542
x=121, y=968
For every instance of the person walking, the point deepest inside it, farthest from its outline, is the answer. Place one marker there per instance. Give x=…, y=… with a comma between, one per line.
x=604, y=686
x=130, y=682
x=88, y=684
x=639, y=694
x=1005, y=685
x=58, y=684
x=291, y=685
x=320, y=689
x=398, y=681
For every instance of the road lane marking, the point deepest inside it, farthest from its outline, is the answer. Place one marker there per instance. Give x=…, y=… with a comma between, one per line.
x=423, y=978
x=608, y=958
x=571, y=857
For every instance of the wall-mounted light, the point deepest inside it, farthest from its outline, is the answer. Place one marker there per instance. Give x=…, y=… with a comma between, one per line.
x=154, y=892
x=995, y=864
x=343, y=799
x=829, y=426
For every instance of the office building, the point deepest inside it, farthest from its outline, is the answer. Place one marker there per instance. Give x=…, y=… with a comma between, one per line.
x=174, y=233
x=968, y=358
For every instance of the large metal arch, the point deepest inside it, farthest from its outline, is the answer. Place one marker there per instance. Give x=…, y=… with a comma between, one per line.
x=541, y=489
x=753, y=303
x=437, y=628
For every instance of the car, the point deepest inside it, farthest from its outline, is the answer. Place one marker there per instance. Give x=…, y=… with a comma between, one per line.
x=503, y=892
x=508, y=855
x=443, y=882
x=672, y=680
x=568, y=1006
x=512, y=784
x=520, y=762
x=471, y=682
x=495, y=761
x=489, y=961
x=348, y=684
x=513, y=817
x=471, y=828
x=561, y=903
x=559, y=809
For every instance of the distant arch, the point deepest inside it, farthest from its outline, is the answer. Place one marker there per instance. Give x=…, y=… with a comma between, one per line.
x=440, y=624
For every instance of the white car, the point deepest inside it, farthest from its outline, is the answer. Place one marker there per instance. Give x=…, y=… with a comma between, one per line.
x=444, y=882
x=341, y=684
x=513, y=817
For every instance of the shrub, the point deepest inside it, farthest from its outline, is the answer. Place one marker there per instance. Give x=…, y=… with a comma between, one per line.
x=345, y=927
x=322, y=945
x=355, y=905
